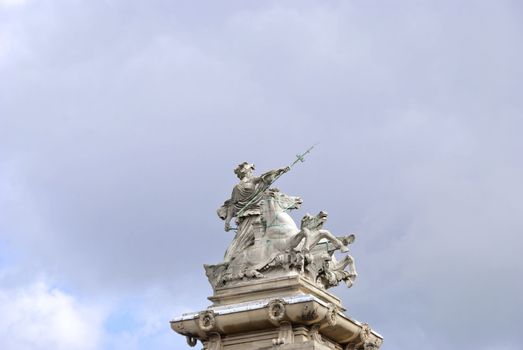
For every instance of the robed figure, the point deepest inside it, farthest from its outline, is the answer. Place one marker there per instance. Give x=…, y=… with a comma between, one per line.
x=244, y=205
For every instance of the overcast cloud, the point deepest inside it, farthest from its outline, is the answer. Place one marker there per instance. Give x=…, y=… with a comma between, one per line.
x=121, y=123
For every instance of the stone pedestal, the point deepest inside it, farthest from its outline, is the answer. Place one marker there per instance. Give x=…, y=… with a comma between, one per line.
x=270, y=291
x=287, y=312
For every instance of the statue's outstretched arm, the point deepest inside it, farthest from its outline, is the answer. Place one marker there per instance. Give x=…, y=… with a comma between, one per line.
x=268, y=177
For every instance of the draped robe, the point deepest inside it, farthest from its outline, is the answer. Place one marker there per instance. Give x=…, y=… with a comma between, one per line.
x=249, y=220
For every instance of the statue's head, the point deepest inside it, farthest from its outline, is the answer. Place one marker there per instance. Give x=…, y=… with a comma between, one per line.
x=244, y=169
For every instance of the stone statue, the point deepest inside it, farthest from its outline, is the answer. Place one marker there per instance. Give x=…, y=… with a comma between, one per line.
x=311, y=232
x=244, y=204
x=268, y=242
x=270, y=291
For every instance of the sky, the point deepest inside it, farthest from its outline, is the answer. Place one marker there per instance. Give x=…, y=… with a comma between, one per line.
x=121, y=123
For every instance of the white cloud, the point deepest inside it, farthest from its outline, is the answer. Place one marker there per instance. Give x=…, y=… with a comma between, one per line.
x=10, y=3
x=142, y=323
x=39, y=317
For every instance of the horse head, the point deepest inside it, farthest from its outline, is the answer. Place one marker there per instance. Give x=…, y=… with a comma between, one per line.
x=274, y=205
x=280, y=201
x=314, y=222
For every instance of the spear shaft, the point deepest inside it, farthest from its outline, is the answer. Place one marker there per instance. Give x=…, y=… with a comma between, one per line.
x=299, y=158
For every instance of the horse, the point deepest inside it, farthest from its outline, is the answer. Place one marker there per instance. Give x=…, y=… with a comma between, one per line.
x=278, y=224
x=279, y=228
x=281, y=231
x=333, y=272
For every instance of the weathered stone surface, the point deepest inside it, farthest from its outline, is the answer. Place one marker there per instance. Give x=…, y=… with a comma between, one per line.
x=281, y=308
x=281, y=286
x=268, y=242
x=270, y=291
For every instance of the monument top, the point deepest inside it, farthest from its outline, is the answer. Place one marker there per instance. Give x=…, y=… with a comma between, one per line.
x=270, y=290
x=268, y=243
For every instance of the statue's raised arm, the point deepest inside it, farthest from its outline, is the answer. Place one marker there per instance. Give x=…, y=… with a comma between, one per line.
x=269, y=177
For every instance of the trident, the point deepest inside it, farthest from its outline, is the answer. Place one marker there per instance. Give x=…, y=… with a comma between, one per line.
x=299, y=158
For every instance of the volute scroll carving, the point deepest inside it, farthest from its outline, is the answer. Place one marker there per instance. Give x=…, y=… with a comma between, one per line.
x=314, y=333
x=285, y=334
x=214, y=342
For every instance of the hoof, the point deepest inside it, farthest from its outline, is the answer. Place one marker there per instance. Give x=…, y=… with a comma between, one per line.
x=253, y=274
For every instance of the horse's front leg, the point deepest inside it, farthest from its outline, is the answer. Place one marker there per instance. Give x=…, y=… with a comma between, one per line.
x=326, y=234
x=348, y=276
x=295, y=240
x=352, y=268
x=342, y=264
x=352, y=273
x=305, y=235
